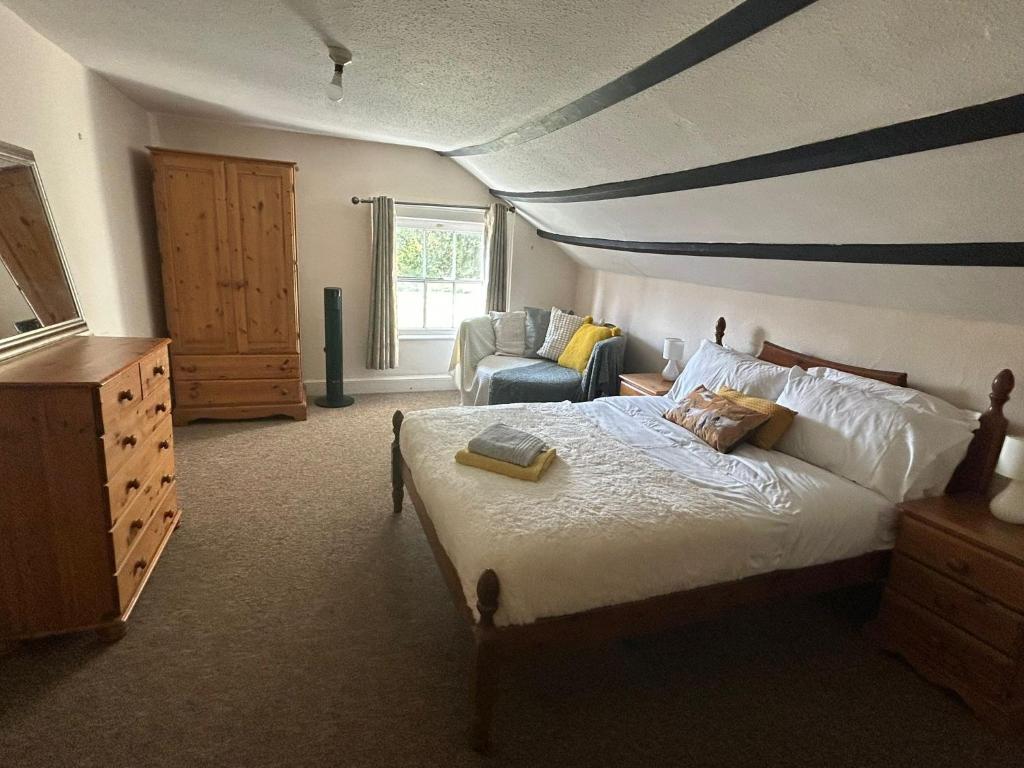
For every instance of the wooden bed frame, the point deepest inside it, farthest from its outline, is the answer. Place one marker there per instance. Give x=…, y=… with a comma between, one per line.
x=494, y=643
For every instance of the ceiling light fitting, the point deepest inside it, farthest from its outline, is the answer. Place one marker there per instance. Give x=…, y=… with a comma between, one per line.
x=341, y=56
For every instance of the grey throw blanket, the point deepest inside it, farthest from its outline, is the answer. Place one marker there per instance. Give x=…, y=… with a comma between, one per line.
x=505, y=443
x=548, y=382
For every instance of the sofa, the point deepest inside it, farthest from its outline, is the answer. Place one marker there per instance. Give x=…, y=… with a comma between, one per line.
x=484, y=377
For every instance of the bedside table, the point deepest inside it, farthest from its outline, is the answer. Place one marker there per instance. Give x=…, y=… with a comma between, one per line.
x=643, y=384
x=954, y=603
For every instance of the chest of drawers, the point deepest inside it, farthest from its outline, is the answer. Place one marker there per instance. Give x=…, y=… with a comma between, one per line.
x=954, y=603
x=89, y=496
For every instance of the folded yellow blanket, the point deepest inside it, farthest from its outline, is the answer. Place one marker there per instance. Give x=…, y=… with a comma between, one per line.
x=532, y=472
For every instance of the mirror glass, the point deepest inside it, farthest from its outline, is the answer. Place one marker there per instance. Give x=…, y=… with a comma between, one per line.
x=37, y=300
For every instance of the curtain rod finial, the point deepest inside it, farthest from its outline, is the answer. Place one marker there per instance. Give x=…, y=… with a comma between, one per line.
x=355, y=201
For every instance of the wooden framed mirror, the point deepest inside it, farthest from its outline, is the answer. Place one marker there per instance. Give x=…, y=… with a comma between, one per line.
x=38, y=304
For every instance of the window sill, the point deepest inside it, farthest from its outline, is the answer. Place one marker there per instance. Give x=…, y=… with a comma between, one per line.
x=427, y=336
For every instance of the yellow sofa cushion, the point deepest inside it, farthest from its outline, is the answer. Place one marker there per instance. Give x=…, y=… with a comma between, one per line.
x=780, y=417
x=577, y=353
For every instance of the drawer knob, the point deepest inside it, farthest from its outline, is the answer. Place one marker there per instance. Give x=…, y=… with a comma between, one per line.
x=164, y=445
x=166, y=479
x=136, y=525
x=160, y=407
x=159, y=370
x=130, y=440
x=140, y=565
x=168, y=514
x=132, y=485
x=957, y=565
x=125, y=394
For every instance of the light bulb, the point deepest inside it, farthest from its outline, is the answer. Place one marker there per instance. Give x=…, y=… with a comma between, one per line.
x=333, y=88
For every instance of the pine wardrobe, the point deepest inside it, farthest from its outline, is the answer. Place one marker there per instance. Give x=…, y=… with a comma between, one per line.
x=227, y=239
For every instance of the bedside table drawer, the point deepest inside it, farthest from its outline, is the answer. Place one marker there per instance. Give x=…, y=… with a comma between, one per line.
x=940, y=650
x=999, y=627
x=963, y=562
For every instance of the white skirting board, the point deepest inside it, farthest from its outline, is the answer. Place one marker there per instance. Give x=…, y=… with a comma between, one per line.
x=369, y=385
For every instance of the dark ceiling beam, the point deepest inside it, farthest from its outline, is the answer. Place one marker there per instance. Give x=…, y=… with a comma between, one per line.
x=1002, y=254
x=1002, y=117
x=746, y=19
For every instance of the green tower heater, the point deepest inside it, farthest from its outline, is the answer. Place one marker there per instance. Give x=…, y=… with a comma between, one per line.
x=335, y=397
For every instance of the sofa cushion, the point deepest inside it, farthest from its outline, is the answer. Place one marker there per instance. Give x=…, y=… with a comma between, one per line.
x=509, y=333
x=537, y=321
x=560, y=332
x=581, y=345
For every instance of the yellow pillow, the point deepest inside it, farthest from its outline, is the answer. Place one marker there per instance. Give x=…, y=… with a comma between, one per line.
x=780, y=417
x=577, y=353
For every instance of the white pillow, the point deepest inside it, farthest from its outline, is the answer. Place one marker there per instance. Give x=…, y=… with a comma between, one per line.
x=509, y=333
x=900, y=452
x=715, y=367
x=911, y=398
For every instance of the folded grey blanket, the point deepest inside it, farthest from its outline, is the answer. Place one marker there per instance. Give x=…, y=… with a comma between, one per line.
x=505, y=443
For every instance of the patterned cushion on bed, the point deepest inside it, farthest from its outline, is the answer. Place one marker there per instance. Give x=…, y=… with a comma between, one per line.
x=560, y=332
x=780, y=418
x=716, y=420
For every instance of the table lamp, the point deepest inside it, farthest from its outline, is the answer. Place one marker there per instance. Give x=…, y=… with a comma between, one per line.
x=673, y=352
x=1008, y=505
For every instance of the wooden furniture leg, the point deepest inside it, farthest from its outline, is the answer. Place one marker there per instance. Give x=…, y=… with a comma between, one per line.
x=111, y=633
x=484, y=685
x=397, y=486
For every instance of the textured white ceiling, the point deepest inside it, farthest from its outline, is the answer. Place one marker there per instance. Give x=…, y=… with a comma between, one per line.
x=447, y=73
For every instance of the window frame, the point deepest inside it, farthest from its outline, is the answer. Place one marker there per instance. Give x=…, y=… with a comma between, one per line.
x=433, y=224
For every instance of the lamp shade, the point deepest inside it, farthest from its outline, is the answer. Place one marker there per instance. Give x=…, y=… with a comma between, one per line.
x=1011, y=458
x=673, y=349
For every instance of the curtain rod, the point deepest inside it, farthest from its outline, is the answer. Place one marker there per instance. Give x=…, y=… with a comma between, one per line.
x=358, y=200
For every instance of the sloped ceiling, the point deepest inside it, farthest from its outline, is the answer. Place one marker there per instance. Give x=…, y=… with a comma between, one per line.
x=447, y=74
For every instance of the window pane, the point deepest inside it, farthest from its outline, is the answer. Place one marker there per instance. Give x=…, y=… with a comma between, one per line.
x=469, y=301
x=439, y=254
x=469, y=248
x=439, y=305
x=409, y=252
x=410, y=305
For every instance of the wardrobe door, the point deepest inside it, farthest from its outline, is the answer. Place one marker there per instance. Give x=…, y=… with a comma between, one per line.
x=261, y=200
x=193, y=231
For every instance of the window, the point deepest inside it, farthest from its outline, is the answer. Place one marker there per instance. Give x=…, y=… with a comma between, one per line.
x=440, y=273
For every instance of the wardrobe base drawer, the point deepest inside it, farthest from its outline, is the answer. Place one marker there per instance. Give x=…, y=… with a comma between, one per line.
x=245, y=392
x=295, y=411
x=220, y=367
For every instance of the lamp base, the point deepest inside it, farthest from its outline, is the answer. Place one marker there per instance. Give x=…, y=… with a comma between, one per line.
x=1008, y=504
x=671, y=371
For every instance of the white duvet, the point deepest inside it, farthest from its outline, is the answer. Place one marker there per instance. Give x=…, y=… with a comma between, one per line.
x=634, y=506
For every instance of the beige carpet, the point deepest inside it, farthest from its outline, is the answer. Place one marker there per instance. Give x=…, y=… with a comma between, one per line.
x=295, y=622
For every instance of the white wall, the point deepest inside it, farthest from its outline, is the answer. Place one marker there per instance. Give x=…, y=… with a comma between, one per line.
x=950, y=357
x=88, y=140
x=334, y=235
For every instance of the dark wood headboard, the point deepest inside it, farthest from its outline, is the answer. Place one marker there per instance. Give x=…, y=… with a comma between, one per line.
x=974, y=473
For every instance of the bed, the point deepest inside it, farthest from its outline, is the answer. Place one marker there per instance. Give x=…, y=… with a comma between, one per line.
x=556, y=563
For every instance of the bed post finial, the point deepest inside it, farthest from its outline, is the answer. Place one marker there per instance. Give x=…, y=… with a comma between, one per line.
x=719, y=331
x=485, y=661
x=397, y=485
x=974, y=474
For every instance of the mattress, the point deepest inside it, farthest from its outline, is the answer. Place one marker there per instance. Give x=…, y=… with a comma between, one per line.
x=633, y=507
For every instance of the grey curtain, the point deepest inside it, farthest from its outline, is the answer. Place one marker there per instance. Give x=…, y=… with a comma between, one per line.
x=498, y=250
x=382, y=345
